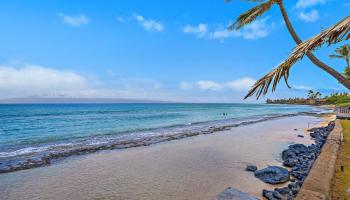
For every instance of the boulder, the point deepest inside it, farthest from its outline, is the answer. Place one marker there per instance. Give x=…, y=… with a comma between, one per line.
x=268, y=194
x=251, y=168
x=298, y=148
x=290, y=162
x=283, y=191
x=273, y=175
x=288, y=153
x=277, y=195
x=234, y=194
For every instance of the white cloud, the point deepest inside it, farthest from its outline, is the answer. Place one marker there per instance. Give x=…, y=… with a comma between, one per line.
x=75, y=20
x=121, y=19
x=149, y=25
x=256, y=30
x=31, y=80
x=37, y=80
x=201, y=30
x=208, y=85
x=224, y=34
x=302, y=87
x=185, y=85
x=308, y=3
x=311, y=16
x=241, y=84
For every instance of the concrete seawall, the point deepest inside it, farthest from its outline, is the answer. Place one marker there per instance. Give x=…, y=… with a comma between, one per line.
x=318, y=183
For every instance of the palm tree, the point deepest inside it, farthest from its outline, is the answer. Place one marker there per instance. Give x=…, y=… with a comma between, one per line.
x=343, y=52
x=310, y=94
x=261, y=87
x=317, y=95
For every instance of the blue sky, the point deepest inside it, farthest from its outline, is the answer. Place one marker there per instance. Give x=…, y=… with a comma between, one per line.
x=167, y=50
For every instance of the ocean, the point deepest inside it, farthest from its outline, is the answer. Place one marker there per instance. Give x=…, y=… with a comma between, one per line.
x=33, y=134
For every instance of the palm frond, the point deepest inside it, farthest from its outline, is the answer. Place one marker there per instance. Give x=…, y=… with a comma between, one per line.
x=262, y=86
x=336, y=56
x=334, y=34
x=251, y=15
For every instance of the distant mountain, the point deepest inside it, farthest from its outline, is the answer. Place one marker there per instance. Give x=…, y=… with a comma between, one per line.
x=40, y=100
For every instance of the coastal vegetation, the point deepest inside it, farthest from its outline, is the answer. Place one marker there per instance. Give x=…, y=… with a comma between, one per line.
x=332, y=35
x=315, y=98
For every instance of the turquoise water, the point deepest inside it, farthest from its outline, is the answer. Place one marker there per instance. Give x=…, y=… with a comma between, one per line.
x=37, y=128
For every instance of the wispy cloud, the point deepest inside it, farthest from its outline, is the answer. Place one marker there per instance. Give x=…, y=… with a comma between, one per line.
x=150, y=25
x=200, y=30
x=301, y=87
x=221, y=34
x=121, y=19
x=33, y=80
x=37, y=80
x=301, y=4
x=184, y=85
x=40, y=81
x=208, y=85
x=311, y=16
x=240, y=84
x=75, y=20
x=256, y=30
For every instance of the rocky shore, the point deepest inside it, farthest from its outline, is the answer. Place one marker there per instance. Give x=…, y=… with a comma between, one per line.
x=11, y=164
x=297, y=161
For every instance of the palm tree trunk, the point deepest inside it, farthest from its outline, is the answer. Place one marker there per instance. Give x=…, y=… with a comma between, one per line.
x=310, y=55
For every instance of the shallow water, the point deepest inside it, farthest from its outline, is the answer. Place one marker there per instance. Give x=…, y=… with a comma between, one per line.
x=193, y=168
x=34, y=135
x=35, y=124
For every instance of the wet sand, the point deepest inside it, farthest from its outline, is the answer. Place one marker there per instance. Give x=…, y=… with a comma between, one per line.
x=193, y=168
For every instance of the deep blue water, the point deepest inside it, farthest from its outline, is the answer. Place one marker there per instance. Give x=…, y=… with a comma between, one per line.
x=29, y=128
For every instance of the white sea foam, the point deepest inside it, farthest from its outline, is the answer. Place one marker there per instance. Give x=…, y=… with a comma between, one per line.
x=23, y=151
x=30, y=150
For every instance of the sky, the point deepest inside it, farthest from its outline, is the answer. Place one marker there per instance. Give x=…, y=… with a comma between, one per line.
x=152, y=49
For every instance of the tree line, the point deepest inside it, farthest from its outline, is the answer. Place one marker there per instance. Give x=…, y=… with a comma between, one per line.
x=315, y=98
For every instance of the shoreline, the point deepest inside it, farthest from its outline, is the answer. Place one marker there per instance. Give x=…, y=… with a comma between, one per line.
x=299, y=160
x=207, y=163
x=9, y=164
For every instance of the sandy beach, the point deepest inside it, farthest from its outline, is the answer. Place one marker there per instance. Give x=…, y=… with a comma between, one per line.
x=193, y=168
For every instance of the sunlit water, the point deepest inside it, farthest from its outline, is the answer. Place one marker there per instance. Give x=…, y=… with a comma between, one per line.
x=30, y=128
x=196, y=168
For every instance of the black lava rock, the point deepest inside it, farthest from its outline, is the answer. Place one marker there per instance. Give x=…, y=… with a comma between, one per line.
x=273, y=174
x=300, y=158
x=268, y=194
x=251, y=168
x=283, y=191
x=232, y=193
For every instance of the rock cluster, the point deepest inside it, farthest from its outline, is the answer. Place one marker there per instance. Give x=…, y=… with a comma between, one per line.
x=299, y=158
x=234, y=194
x=273, y=174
